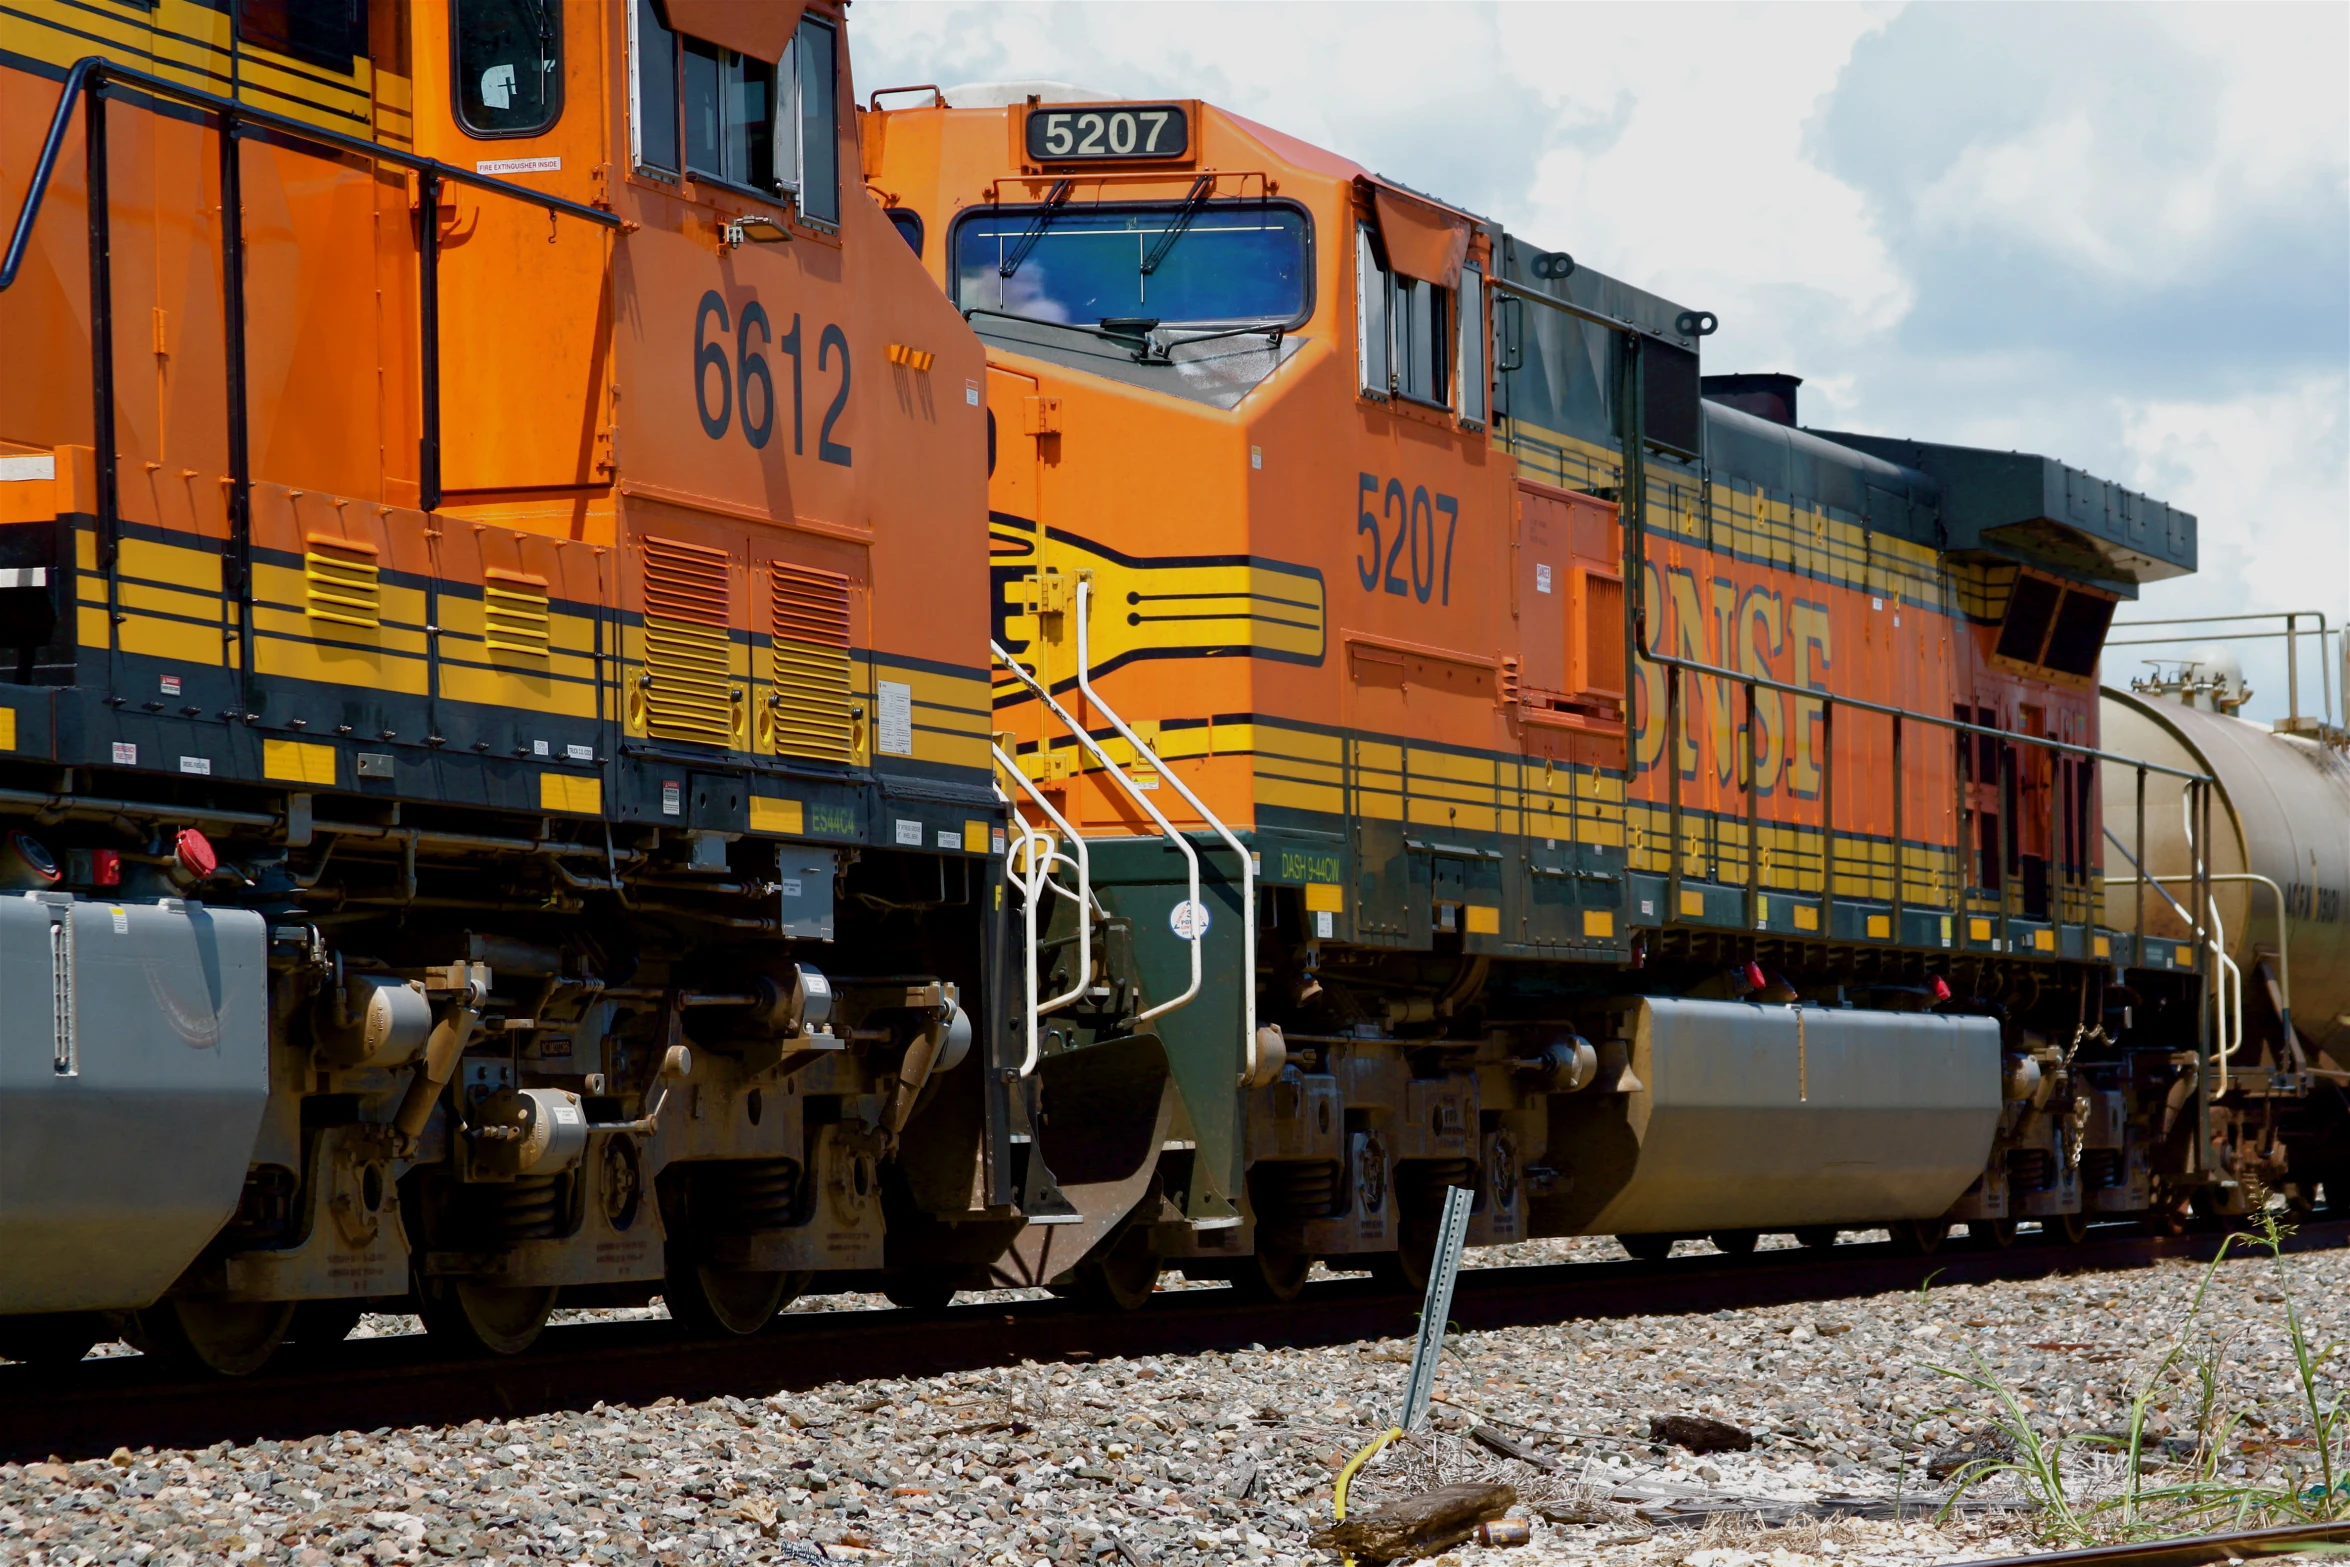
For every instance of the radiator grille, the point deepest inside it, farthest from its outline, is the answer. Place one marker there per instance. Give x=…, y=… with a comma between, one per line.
x=691, y=690
x=514, y=612
x=812, y=700
x=341, y=582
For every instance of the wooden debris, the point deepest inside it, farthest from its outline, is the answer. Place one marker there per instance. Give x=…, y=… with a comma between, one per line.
x=1699, y=1434
x=1418, y=1525
x=1510, y=1447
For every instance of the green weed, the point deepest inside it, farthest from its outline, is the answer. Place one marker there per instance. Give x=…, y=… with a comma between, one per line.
x=2191, y=1495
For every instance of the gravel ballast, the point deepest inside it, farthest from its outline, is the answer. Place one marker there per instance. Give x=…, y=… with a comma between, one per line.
x=1232, y=1456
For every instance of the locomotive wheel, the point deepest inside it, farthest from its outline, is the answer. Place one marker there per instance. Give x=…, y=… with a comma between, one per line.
x=1406, y=1269
x=225, y=1338
x=1816, y=1237
x=1123, y=1274
x=1735, y=1243
x=53, y=1338
x=2065, y=1229
x=478, y=1319
x=322, y=1324
x=1920, y=1237
x=727, y=1302
x=1998, y=1234
x=926, y=1290
x=1647, y=1248
x=1278, y=1271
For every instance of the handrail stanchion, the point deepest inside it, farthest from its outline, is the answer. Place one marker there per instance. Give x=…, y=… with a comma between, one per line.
x=1248, y=868
x=1166, y=828
x=1081, y=861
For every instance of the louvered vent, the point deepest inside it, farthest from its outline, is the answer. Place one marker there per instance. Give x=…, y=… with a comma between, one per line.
x=514, y=612
x=811, y=651
x=690, y=694
x=341, y=582
x=1597, y=664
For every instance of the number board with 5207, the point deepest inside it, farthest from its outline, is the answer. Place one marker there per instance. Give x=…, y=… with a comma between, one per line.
x=1106, y=132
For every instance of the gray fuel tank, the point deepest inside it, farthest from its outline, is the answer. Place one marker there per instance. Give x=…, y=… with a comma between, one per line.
x=134, y=1065
x=1753, y=1117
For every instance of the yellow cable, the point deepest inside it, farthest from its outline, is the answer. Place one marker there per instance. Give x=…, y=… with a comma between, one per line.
x=1338, y=1495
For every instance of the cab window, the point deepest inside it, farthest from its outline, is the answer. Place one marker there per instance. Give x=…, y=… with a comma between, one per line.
x=1173, y=264
x=765, y=126
x=509, y=65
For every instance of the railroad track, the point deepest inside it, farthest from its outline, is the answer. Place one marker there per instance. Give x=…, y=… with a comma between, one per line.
x=90, y=1409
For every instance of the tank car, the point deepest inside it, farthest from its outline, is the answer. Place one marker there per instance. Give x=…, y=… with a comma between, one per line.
x=495, y=752
x=2273, y=915
x=1459, y=744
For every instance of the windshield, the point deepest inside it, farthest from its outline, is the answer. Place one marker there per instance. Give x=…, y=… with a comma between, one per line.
x=1230, y=264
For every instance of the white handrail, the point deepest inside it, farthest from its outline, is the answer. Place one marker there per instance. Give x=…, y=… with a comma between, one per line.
x=2227, y=978
x=1037, y=845
x=1166, y=827
x=1248, y=867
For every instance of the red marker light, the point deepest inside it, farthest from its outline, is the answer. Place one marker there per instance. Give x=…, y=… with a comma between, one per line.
x=194, y=853
x=1941, y=990
x=105, y=867
x=1754, y=977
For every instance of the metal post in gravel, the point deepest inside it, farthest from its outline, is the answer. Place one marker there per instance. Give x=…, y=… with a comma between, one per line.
x=1452, y=1234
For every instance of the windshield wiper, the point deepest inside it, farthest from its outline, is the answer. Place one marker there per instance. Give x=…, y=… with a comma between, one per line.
x=1201, y=189
x=1131, y=333
x=1053, y=203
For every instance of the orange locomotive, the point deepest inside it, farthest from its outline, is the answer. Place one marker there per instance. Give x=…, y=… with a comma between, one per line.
x=493, y=522
x=1460, y=747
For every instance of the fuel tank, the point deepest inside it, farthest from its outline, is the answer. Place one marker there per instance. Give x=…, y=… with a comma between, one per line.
x=1736, y=1115
x=2283, y=812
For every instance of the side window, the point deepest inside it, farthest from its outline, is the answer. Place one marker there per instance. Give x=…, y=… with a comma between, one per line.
x=1423, y=340
x=655, y=90
x=327, y=33
x=819, y=142
x=509, y=65
x=1372, y=293
x=1472, y=339
x=707, y=111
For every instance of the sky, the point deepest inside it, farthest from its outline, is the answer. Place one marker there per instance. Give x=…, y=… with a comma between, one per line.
x=2115, y=234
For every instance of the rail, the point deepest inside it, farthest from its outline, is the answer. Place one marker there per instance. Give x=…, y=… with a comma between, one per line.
x=1158, y=818
x=90, y=83
x=2292, y=635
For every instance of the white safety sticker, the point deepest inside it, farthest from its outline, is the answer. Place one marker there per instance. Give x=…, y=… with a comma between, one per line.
x=24, y=470
x=1325, y=924
x=971, y=393
x=201, y=766
x=1541, y=577
x=580, y=753
x=170, y=685
x=897, y=718
x=538, y=748
x=126, y=754
x=1189, y=920
x=516, y=165
x=948, y=838
x=672, y=799
x=122, y=918
x=910, y=834
x=791, y=886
